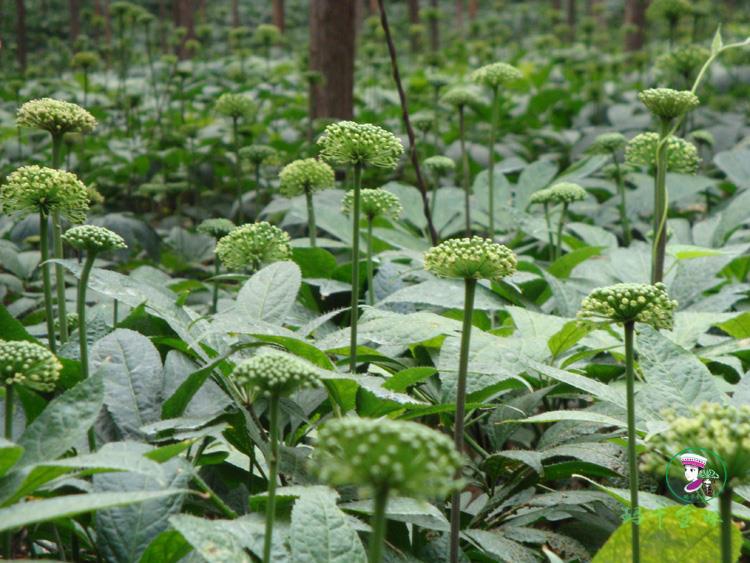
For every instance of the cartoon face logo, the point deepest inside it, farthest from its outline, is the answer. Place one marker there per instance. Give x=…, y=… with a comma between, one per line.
x=697, y=475
x=693, y=464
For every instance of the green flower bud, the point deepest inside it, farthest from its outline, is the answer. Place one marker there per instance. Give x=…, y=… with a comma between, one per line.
x=363, y=144
x=29, y=364
x=476, y=257
x=423, y=120
x=252, y=246
x=668, y=104
x=373, y=203
x=275, y=373
x=55, y=116
x=607, y=143
x=216, y=228
x=670, y=10
x=306, y=175
x=495, y=75
x=462, y=96
x=407, y=458
x=85, y=60
x=93, y=239
x=36, y=189
x=630, y=302
x=236, y=106
x=564, y=192
x=266, y=34
x=257, y=154
x=682, y=156
x=439, y=165
x=684, y=61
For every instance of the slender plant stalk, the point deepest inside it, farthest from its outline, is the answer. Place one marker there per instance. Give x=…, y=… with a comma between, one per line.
x=465, y=166
x=470, y=285
x=370, y=286
x=725, y=509
x=273, y=462
x=549, y=228
x=433, y=199
x=115, y=316
x=223, y=507
x=215, y=298
x=377, y=537
x=258, y=194
x=9, y=413
x=660, y=206
x=46, y=281
x=83, y=343
x=57, y=146
x=491, y=171
x=632, y=455
x=310, y=217
x=237, y=172
x=626, y=237
x=558, y=247
x=355, y=269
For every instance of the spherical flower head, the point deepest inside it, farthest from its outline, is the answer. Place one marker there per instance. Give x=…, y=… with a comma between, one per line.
x=55, y=116
x=470, y=258
x=462, y=96
x=257, y=154
x=275, y=373
x=630, y=302
x=423, y=120
x=29, y=364
x=253, y=245
x=216, y=228
x=373, y=203
x=37, y=189
x=682, y=156
x=607, y=143
x=362, y=144
x=437, y=79
x=716, y=428
x=668, y=104
x=564, y=192
x=266, y=34
x=235, y=106
x=685, y=61
x=93, y=239
x=305, y=175
x=406, y=458
x=670, y=10
x=496, y=75
x=439, y=165
x=85, y=60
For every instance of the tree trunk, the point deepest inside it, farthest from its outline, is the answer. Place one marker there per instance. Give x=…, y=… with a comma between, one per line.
x=163, y=26
x=235, y=13
x=373, y=7
x=186, y=19
x=99, y=17
x=278, y=14
x=75, y=20
x=460, y=15
x=21, y=42
x=635, y=19
x=570, y=16
x=557, y=5
x=434, y=29
x=332, y=54
x=473, y=9
x=107, y=24
x=414, y=20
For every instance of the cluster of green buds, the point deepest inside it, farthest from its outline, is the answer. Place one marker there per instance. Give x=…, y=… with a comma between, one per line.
x=467, y=258
x=55, y=116
x=462, y=96
x=682, y=156
x=362, y=144
x=266, y=34
x=236, y=106
x=405, y=458
x=607, y=143
x=216, y=228
x=253, y=245
x=496, y=75
x=93, y=239
x=669, y=10
x=37, y=189
x=85, y=60
x=723, y=429
x=274, y=373
x=423, y=121
x=257, y=154
x=668, y=104
x=564, y=192
x=374, y=203
x=439, y=166
x=630, y=302
x=28, y=364
x=684, y=61
x=305, y=175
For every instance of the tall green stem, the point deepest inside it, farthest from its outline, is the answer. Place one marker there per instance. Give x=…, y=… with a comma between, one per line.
x=632, y=454
x=310, y=217
x=81, y=303
x=46, y=281
x=237, y=173
x=377, y=537
x=273, y=461
x=470, y=285
x=9, y=413
x=558, y=246
x=549, y=229
x=725, y=509
x=658, y=252
x=215, y=297
x=355, y=269
x=59, y=276
x=465, y=170
x=491, y=171
x=433, y=199
x=626, y=237
x=258, y=194
x=370, y=286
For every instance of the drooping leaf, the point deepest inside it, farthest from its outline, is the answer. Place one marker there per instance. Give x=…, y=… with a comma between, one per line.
x=270, y=293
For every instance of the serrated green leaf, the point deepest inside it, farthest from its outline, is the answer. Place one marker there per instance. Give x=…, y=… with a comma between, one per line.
x=167, y=547
x=270, y=293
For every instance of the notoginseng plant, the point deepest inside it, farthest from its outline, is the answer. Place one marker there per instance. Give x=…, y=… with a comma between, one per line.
x=237, y=108
x=386, y=457
x=723, y=430
x=86, y=61
x=57, y=118
x=375, y=203
x=251, y=246
x=461, y=97
x=218, y=229
x=306, y=176
x=438, y=167
x=563, y=193
x=358, y=145
x=273, y=375
x=48, y=192
x=470, y=259
x=610, y=144
x=28, y=364
x=496, y=77
x=670, y=11
x=256, y=155
x=626, y=304
x=267, y=35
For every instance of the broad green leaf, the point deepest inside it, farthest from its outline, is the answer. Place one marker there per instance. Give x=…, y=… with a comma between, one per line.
x=563, y=266
x=211, y=539
x=534, y=177
x=582, y=416
x=595, y=388
x=10, y=453
x=167, y=547
x=567, y=337
x=11, y=328
x=321, y=533
x=738, y=327
x=270, y=293
x=447, y=294
x=735, y=164
x=405, y=378
x=500, y=547
x=689, y=252
x=402, y=509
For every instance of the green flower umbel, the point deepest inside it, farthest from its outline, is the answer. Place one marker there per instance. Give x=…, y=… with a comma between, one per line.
x=668, y=104
x=630, y=302
x=496, y=75
x=257, y=155
x=91, y=238
x=563, y=193
x=610, y=144
x=360, y=144
x=306, y=175
x=470, y=258
x=438, y=167
x=216, y=228
x=235, y=106
x=375, y=203
x=386, y=456
x=682, y=156
x=37, y=189
x=28, y=364
x=462, y=96
x=55, y=116
x=607, y=143
x=253, y=245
